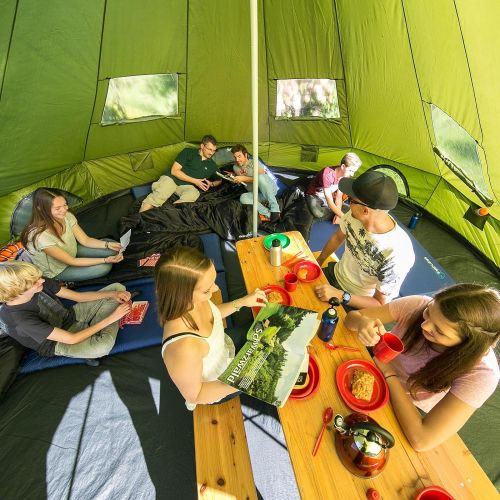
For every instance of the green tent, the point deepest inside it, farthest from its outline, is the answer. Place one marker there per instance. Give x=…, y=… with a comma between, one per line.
x=415, y=87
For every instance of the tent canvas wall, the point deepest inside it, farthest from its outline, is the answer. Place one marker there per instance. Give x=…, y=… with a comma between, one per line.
x=394, y=63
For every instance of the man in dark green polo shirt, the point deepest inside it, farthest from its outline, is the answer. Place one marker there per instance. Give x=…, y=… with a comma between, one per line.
x=193, y=171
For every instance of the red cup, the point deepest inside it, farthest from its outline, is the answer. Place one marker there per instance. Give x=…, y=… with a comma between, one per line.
x=389, y=346
x=291, y=281
x=434, y=493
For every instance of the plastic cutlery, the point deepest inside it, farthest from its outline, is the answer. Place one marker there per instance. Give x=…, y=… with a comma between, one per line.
x=327, y=418
x=334, y=347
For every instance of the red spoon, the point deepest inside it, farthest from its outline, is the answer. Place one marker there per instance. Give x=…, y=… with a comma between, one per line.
x=327, y=418
x=334, y=347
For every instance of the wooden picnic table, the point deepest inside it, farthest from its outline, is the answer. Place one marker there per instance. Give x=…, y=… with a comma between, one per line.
x=450, y=465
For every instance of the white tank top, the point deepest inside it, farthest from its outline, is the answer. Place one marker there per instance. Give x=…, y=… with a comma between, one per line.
x=220, y=349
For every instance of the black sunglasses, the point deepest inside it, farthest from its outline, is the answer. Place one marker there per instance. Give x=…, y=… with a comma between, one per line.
x=355, y=202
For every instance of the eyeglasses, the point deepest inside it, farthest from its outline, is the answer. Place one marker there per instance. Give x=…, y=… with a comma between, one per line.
x=355, y=202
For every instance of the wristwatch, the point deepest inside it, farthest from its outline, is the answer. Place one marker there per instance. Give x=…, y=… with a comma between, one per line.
x=346, y=297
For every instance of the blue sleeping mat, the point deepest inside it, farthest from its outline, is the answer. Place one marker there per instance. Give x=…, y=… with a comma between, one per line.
x=131, y=337
x=211, y=248
x=425, y=277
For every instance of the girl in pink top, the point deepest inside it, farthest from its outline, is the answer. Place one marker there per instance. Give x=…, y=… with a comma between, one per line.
x=448, y=368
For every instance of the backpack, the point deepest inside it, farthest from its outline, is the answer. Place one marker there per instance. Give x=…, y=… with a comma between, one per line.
x=12, y=251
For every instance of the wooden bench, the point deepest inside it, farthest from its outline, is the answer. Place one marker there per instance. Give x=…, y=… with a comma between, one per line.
x=223, y=468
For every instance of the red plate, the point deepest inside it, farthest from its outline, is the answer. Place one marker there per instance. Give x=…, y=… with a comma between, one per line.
x=313, y=270
x=286, y=300
x=343, y=377
x=311, y=388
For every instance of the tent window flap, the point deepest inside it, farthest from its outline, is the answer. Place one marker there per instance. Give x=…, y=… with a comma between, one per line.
x=307, y=98
x=458, y=149
x=141, y=97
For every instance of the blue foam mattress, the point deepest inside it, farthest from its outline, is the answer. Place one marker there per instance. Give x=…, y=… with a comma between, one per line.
x=425, y=277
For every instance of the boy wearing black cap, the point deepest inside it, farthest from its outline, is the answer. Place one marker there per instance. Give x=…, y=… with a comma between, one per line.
x=378, y=253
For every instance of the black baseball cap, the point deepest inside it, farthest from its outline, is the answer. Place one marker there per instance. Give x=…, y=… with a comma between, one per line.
x=373, y=188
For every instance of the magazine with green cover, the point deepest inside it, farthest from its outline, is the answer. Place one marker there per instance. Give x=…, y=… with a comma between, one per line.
x=268, y=364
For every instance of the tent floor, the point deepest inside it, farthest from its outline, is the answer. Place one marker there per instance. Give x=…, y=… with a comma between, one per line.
x=121, y=430
x=459, y=262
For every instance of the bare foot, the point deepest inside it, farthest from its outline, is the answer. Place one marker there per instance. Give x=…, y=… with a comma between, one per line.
x=145, y=206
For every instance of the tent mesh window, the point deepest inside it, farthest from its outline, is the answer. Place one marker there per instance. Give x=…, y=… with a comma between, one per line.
x=456, y=144
x=307, y=98
x=140, y=98
x=397, y=177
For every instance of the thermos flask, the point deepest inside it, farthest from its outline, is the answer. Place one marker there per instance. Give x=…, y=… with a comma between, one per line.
x=329, y=321
x=275, y=253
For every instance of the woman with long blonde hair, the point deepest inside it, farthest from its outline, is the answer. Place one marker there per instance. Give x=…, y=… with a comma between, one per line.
x=195, y=349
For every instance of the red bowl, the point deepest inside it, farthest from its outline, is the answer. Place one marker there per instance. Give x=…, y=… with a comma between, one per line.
x=312, y=387
x=434, y=493
x=313, y=270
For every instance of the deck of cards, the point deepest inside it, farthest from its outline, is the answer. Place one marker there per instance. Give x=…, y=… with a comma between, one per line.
x=136, y=314
x=149, y=261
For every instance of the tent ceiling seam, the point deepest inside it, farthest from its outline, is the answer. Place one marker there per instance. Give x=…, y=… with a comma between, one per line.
x=468, y=69
x=267, y=81
x=187, y=72
x=487, y=170
x=97, y=81
x=419, y=91
x=14, y=17
x=334, y=4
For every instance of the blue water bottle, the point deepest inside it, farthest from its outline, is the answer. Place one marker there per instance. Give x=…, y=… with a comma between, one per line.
x=329, y=321
x=414, y=219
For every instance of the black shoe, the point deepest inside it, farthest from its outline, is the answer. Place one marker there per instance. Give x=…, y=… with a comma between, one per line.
x=275, y=216
x=92, y=362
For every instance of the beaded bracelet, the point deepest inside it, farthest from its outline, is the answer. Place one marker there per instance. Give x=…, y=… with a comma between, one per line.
x=106, y=244
x=236, y=305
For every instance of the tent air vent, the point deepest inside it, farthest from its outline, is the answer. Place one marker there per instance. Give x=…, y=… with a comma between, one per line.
x=309, y=153
x=141, y=161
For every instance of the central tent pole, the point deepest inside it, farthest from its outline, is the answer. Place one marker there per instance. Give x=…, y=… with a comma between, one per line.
x=254, y=31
